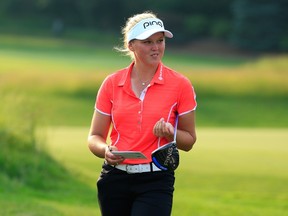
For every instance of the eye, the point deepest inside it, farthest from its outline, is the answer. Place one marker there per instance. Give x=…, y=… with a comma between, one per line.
x=147, y=42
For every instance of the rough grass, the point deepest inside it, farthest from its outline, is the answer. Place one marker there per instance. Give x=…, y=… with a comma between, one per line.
x=64, y=74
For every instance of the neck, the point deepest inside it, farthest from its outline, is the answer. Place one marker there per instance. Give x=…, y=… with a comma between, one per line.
x=141, y=77
x=144, y=72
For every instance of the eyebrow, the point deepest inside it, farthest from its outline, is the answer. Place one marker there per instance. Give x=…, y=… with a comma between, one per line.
x=161, y=37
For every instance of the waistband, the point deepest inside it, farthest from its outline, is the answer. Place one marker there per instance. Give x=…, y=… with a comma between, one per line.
x=138, y=168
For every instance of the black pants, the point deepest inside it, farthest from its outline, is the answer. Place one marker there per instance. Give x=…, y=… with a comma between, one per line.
x=141, y=194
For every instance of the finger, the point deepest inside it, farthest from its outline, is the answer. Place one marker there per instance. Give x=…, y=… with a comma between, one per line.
x=170, y=128
x=117, y=161
x=109, y=156
x=166, y=128
x=157, y=127
x=162, y=127
x=114, y=160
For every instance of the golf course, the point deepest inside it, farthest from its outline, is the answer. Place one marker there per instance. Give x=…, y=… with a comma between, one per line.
x=237, y=167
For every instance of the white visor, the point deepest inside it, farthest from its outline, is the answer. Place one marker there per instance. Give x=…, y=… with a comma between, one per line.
x=146, y=28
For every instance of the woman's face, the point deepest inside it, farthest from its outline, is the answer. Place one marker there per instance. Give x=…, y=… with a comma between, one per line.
x=149, y=51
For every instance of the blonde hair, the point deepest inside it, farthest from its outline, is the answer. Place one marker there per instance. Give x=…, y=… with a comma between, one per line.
x=130, y=23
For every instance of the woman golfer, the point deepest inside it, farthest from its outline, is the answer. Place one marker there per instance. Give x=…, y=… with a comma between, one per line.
x=139, y=104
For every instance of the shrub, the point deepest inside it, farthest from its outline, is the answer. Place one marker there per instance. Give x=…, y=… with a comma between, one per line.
x=23, y=157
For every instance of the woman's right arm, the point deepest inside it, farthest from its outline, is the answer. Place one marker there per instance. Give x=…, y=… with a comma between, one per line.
x=99, y=129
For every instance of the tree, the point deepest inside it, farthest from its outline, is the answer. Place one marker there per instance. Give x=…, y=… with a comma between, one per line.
x=259, y=25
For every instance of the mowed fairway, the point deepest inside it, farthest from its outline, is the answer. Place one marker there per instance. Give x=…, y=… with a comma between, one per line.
x=229, y=171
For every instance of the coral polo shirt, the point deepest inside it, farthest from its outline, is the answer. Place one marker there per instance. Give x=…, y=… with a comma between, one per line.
x=133, y=118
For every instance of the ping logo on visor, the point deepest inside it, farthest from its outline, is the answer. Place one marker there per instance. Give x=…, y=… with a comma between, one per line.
x=151, y=23
x=147, y=27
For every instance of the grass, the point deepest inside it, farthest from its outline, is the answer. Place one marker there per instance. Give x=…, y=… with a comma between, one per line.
x=64, y=74
x=238, y=166
x=229, y=172
x=234, y=172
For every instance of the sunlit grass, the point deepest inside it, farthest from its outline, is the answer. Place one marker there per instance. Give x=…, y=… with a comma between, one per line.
x=234, y=172
x=51, y=63
x=68, y=74
x=240, y=170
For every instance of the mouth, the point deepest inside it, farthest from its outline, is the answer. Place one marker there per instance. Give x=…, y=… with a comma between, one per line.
x=155, y=55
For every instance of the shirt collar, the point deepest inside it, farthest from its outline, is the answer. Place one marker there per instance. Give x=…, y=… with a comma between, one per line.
x=159, y=75
x=126, y=74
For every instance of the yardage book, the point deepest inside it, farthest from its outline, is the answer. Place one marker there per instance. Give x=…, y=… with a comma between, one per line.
x=130, y=154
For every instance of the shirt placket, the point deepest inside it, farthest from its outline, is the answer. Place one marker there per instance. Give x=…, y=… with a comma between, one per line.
x=140, y=110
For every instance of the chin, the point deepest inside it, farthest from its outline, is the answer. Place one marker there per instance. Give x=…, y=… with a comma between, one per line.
x=155, y=60
x=154, y=63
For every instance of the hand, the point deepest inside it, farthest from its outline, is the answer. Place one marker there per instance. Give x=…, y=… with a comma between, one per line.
x=112, y=159
x=163, y=129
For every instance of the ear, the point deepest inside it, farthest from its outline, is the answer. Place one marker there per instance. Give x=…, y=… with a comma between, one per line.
x=130, y=46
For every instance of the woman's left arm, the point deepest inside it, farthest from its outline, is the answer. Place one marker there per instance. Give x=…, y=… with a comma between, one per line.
x=186, y=132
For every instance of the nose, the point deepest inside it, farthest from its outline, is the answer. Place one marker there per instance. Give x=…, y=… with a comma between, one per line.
x=154, y=46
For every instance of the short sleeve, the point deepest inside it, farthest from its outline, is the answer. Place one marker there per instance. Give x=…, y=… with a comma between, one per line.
x=104, y=97
x=187, y=97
